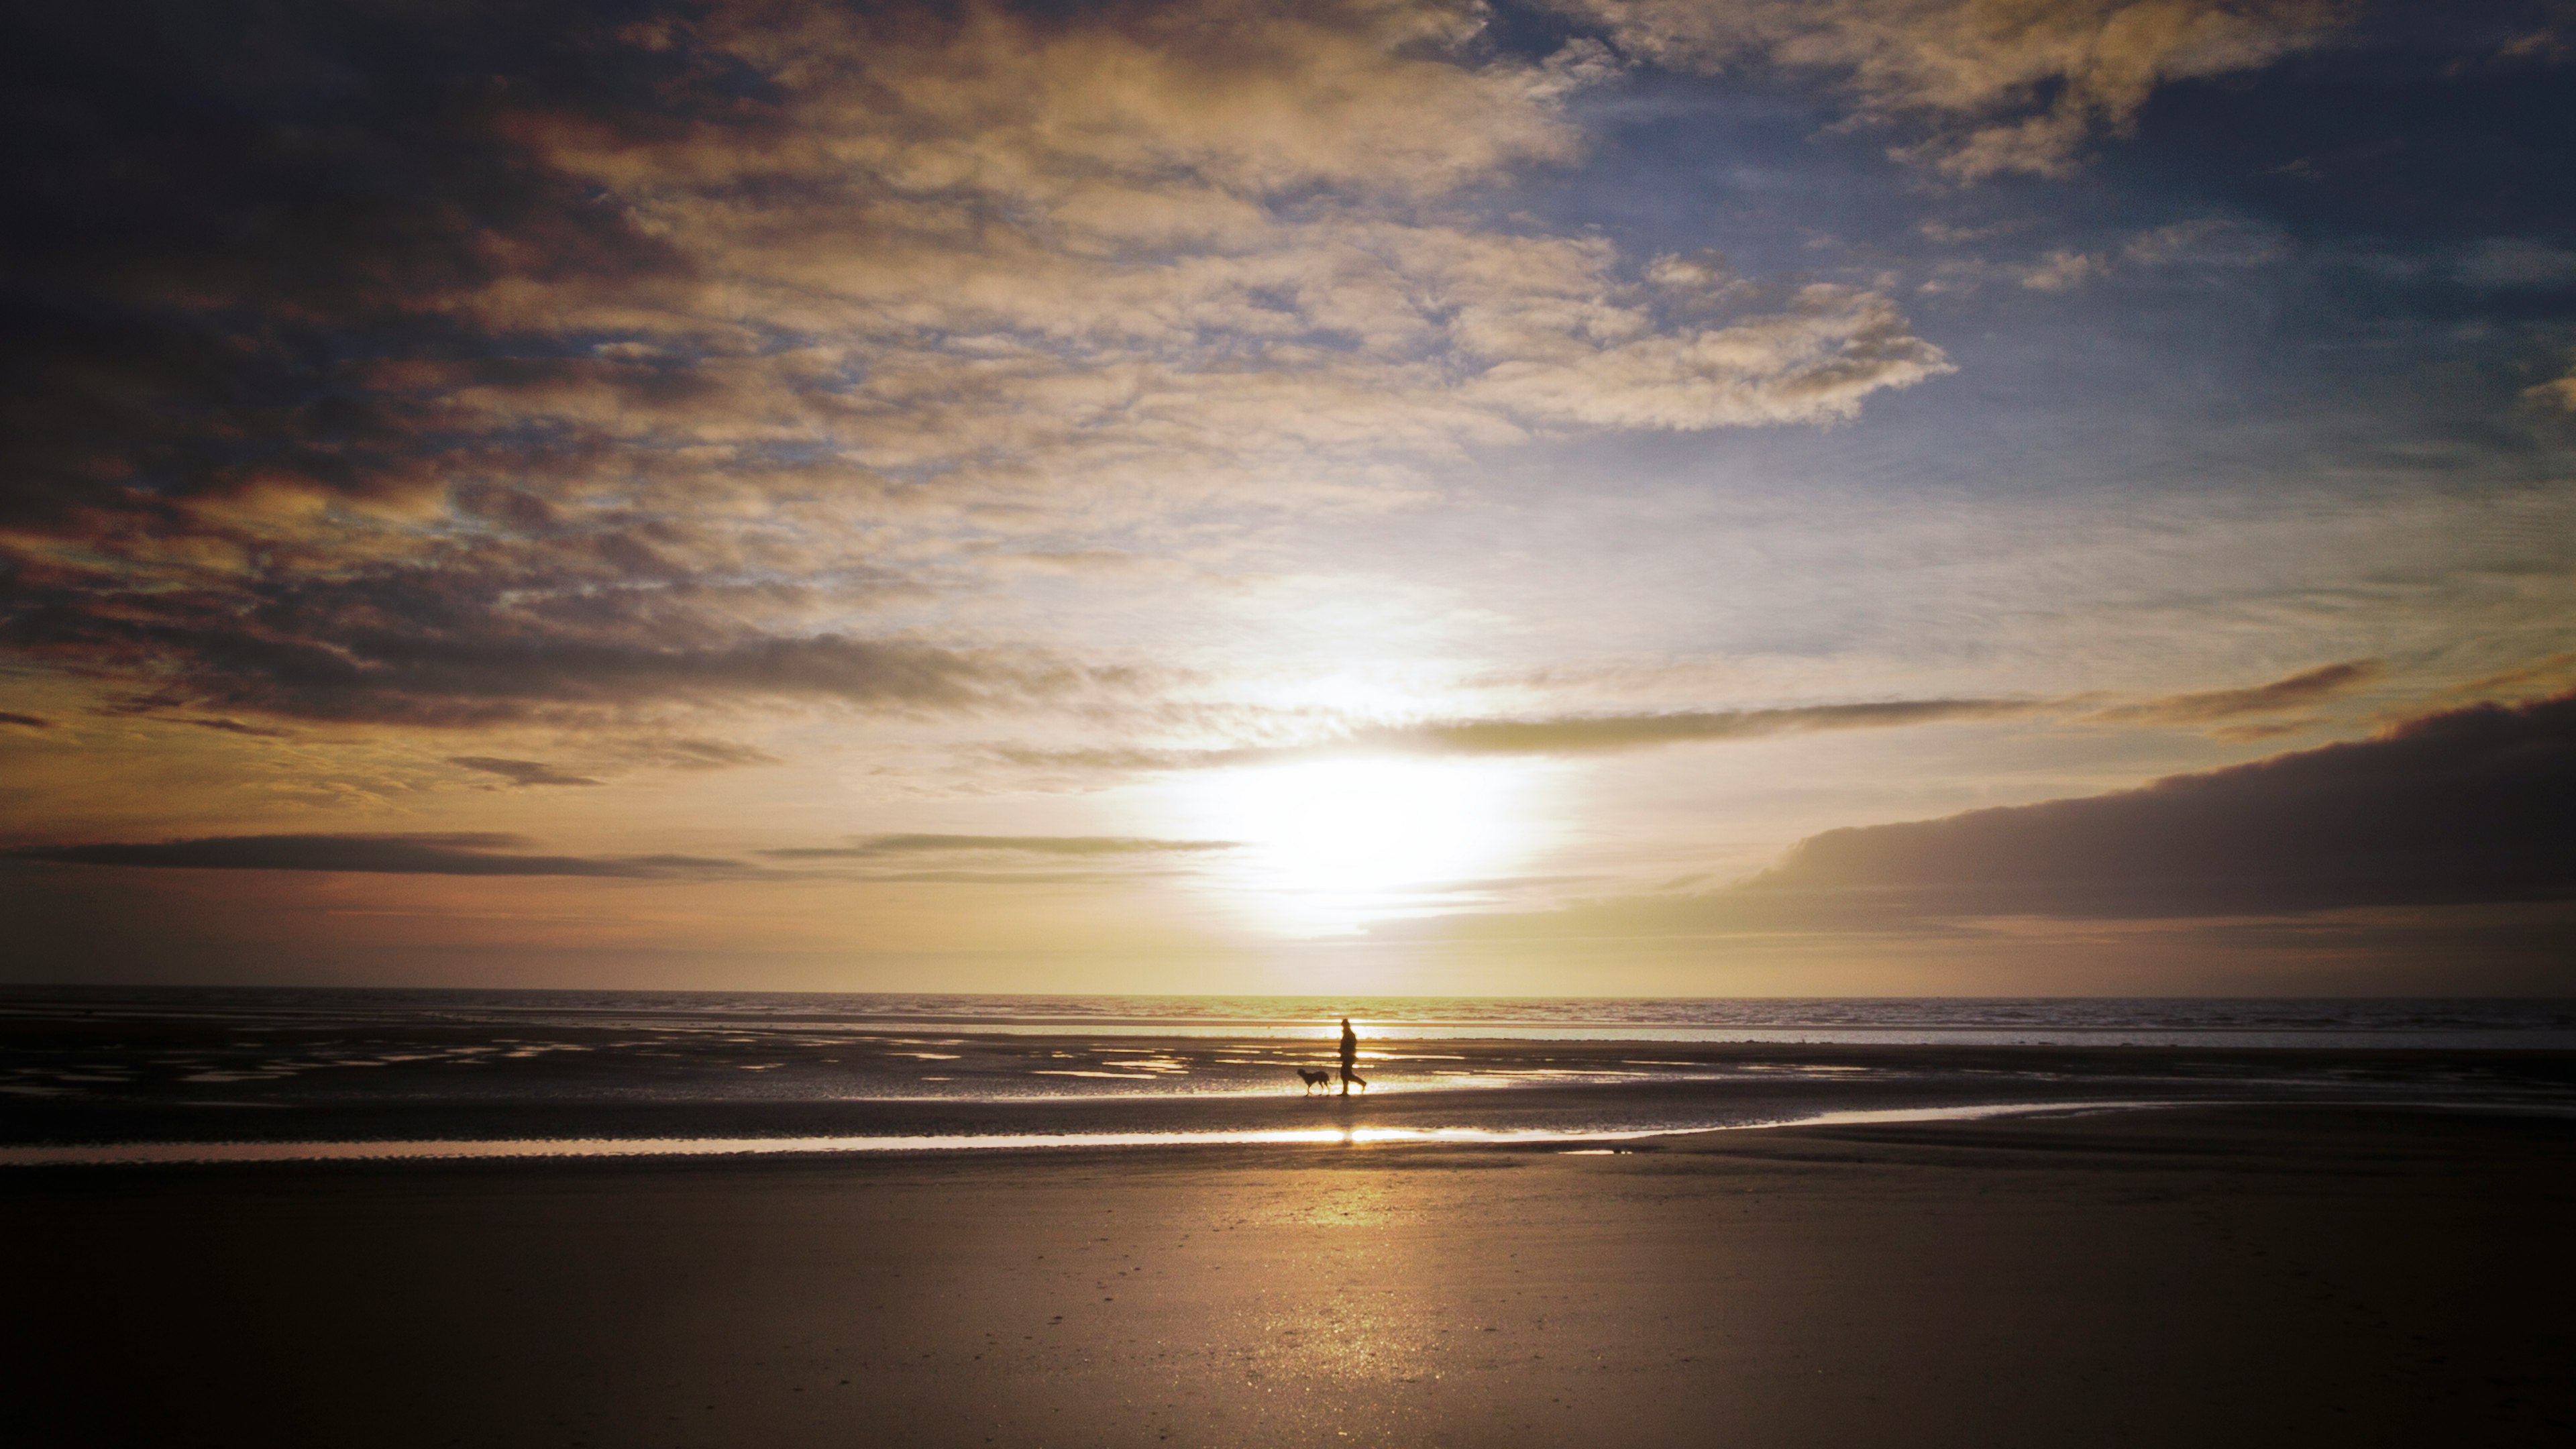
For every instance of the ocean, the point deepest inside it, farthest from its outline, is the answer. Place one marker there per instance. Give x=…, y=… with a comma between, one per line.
x=136, y=1075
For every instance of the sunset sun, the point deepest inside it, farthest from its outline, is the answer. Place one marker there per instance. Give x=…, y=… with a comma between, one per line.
x=1326, y=843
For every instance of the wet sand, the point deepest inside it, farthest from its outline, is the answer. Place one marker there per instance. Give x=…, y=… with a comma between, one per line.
x=2208, y=1276
x=115, y=1083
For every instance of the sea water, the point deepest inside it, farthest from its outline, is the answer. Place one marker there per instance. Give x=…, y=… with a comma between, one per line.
x=289, y=1071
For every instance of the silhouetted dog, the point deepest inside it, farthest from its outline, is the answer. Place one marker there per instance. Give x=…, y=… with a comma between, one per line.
x=1314, y=1079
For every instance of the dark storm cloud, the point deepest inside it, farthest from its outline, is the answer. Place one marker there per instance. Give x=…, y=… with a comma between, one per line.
x=237, y=245
x=475, y=854
x=220, y=220
x=520, y=772
x=884, y=846
x=2473, y=806
x=227, y=234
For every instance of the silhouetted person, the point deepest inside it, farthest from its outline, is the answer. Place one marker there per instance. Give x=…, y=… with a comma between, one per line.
x=1350, y=1055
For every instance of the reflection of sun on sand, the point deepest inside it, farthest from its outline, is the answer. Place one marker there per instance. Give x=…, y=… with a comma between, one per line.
x=2212, y=1277
x=1329, y=843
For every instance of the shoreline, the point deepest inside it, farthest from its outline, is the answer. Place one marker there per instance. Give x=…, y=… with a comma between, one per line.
x=832, y=1094
x=651, y=1148
x=661, y=1149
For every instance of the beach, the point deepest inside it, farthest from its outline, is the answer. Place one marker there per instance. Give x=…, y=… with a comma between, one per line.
x=169, y=1076
x=2208, y=1275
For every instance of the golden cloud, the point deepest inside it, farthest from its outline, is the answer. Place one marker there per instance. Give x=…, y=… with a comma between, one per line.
x=2302, y=690
x=670, y=381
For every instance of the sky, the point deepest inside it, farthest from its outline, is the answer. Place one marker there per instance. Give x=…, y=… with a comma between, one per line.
x=1561, y=497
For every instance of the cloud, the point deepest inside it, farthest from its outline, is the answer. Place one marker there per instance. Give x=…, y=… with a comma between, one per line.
x=2512, y=263
x=1993, y=87
x=2246, y=731
x=489, y=854
x=520, y=772
x=26, y=721
x=2208, y=242
x=2558, y=392
x=2469, y=806
x=1552, y=734
x=878, y=847
x=703, y=754
x=917, y=858
x=2061, y=270
x=2546, y=46
x=1811, y=362
x=385, y=366
x=469, y=854
x=2306, y=688
x=1003, y=877
x=2549, y=675
x=235, y=727
x=1592, y=734
x=420, y=648
x=2196, y=248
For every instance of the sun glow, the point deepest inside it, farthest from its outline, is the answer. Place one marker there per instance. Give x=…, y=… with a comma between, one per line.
x=1328, y=844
